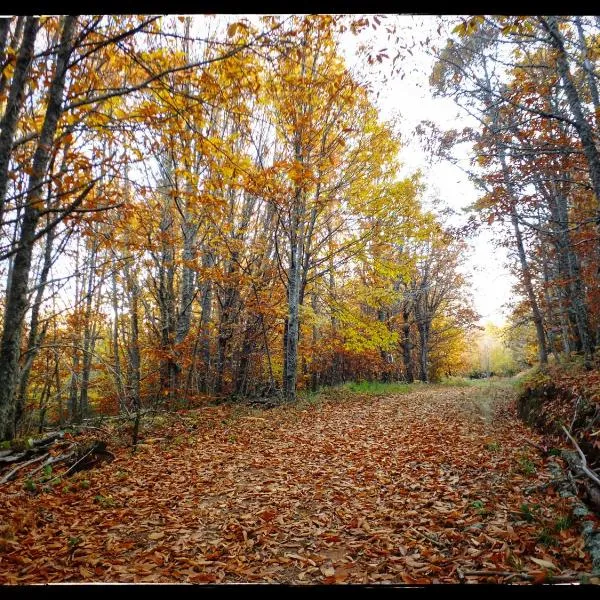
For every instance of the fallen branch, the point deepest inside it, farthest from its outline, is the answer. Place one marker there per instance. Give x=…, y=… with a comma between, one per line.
x=11, y=458
x=36, y=447
x=527, y=576
x=11, y=475
x=542, y=486
x=584, y=467
x=52, y=461
x=92, y=427
x=49, y=439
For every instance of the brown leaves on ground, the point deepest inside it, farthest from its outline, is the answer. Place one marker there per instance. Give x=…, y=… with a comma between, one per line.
x=424, y=487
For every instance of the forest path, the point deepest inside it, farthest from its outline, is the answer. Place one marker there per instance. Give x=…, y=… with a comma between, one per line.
x=414, y=488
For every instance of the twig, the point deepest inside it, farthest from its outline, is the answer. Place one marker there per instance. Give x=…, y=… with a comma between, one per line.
x=77, y=462
x=101, y=429
x=12, y=474
x=430, y=538
x=575, y=413
x=576, y=577
x=543, y=450
x=584, y=466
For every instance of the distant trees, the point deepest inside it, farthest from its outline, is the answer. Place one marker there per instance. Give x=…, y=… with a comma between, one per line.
x=194, y=208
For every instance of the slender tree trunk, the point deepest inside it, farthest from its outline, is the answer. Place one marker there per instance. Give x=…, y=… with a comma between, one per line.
x=57, y=384
x=537, y=315
x=205, y=319
x=293, y=297
x=584, y=129
x=16, y=97
x=88, y=334
x=118, y=372
x=406, y=347
x=423, y=329
x=4, y=27
x=16, y=304
x=315, y=373
x=166, y=303
x=133, y=347
x=589, y=71
x=14, y=43
x=72, y=405
x=34, y=340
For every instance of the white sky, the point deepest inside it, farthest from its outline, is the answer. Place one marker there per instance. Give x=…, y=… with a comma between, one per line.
x=411, y=99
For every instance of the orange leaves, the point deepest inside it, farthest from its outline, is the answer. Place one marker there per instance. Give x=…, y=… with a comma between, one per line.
x=301, y=496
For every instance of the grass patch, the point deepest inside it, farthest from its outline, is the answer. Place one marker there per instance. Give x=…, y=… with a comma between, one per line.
x=526, y=466
x=485, y=382
x=546, y=537
x=492, y=446
x=376, y=388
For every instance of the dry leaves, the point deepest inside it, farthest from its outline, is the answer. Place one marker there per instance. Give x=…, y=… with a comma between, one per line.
x=407, y=489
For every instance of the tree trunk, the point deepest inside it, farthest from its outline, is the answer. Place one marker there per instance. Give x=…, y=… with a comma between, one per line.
x=34, y=340
x=293, y=298
x=16, y=304
x=133, y=347
x=88, y=334
x=14, y=43
x=423, y=329
x=537, y=315
x=584, y=129
x=589, y=71
x=4, y=27
x=166, y=304
x=118, y=373
x=406, y=347
x=205, y=319
x=16, y=96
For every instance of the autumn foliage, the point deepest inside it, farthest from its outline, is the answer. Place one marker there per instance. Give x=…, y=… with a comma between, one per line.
x=200, y=208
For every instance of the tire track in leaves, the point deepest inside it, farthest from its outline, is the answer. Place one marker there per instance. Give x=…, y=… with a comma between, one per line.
x=415, y=488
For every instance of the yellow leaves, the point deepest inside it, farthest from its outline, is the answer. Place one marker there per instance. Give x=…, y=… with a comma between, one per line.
x=71, y=118
x=469, y=27
x=231, y=29
x=8, y=69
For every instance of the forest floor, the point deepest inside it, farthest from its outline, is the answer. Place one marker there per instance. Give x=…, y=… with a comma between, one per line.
x=436, y=485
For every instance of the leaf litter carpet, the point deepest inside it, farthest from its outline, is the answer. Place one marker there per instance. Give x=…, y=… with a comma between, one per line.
x=438, y=485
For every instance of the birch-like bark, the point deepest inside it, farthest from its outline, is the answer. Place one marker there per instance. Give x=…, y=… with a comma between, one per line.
x=16, y=304
x=14, y=103
x=584, y=129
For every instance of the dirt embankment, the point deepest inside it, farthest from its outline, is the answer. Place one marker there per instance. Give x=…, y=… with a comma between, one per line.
x=552, y=402
x=565, y=407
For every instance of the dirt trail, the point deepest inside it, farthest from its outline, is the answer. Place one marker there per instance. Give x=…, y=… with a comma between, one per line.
x=422, y=487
